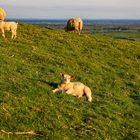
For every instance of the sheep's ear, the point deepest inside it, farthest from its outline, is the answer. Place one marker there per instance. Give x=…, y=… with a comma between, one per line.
x=73, y=76
x=61, y=74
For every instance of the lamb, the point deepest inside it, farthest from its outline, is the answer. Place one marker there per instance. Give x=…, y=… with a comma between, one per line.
x=9, y=26
x=74, y=88
x=74, y=24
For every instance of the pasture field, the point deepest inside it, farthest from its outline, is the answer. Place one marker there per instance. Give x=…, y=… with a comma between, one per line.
x=30, y=68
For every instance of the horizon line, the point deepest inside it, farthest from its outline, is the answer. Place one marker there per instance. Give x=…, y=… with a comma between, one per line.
x=69, y=18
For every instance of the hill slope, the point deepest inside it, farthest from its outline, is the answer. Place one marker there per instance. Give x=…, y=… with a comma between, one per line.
x=30, y=67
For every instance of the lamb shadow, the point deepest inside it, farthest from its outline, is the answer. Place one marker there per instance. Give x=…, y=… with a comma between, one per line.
x=52, y=84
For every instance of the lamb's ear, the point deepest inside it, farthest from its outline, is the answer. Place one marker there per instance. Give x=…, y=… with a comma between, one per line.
x=61, y=74
x=73, y=76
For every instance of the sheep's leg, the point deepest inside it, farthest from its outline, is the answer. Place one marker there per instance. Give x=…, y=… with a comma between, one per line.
x=79, y=31
x=14, y=34
x=3, y=33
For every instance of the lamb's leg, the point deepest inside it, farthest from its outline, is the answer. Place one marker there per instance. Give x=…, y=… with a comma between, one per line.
x=55, y=90
x=70, y=91
x=88, y=93
x=79, y=96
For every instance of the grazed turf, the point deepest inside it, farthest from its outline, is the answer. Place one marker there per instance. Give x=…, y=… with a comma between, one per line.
x=30, y=67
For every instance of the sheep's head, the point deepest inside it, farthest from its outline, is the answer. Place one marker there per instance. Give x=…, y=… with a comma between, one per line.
x=2, y=14
x=70, y=25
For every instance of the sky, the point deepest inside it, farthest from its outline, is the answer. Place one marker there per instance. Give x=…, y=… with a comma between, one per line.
x=64, y=9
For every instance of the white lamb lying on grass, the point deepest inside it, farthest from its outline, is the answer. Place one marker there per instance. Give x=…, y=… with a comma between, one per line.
x=9, y=26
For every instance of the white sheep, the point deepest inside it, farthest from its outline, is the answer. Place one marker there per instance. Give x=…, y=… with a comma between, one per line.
x=75, y=24
x=9, y=26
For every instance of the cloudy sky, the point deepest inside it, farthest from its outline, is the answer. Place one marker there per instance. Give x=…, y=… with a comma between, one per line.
x=62, y=9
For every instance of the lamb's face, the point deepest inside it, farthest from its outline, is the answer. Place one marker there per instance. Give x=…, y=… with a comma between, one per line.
x=66, y=78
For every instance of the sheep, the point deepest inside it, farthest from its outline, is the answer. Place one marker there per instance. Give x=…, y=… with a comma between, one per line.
x=9, y=26
x=2, y=14
x=74, y=24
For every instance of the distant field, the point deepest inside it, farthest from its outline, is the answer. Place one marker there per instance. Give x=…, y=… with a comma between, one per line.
x=118, y=29
x=30, y=68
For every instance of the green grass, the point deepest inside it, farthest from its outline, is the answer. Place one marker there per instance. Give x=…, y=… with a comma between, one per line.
x=132, y=35
x=29, y=71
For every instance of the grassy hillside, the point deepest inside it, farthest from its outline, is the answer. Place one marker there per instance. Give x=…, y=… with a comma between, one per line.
x=29, y=71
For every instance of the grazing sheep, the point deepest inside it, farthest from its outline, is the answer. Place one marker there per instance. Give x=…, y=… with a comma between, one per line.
x=9, y=26
x=74, y=24
x=2, y=14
